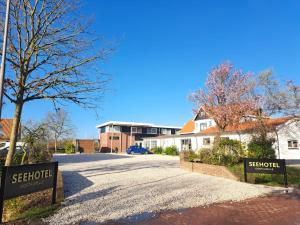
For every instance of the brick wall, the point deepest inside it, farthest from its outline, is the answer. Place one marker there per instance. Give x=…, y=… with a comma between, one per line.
x=118, y=145
x=85, y=145
x=213, y=170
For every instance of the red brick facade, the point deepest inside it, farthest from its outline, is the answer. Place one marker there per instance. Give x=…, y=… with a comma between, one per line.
x=119, y=143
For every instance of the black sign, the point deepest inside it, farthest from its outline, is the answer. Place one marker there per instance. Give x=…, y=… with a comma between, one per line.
x=265, y=166
x=26, y=179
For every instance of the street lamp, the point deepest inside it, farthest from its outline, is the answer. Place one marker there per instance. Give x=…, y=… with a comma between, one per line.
x=2, y=70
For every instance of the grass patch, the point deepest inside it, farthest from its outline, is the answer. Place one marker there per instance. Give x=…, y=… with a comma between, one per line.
x=293, y=176
x=38, y=212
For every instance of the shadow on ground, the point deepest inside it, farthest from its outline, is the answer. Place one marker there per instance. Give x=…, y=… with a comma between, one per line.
x=81, y=158
x=74, y=182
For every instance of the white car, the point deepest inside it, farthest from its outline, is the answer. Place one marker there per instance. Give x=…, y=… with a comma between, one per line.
x=4, y=146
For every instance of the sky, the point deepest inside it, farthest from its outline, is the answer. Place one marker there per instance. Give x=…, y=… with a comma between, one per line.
x=165, y=50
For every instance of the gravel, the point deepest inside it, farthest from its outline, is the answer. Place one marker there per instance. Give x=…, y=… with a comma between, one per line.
x=102, y=187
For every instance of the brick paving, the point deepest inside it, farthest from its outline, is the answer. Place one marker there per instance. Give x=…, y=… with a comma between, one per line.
x=281, y=209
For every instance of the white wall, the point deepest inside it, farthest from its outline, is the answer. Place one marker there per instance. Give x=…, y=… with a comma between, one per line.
x=289, y=131
x=286, y=132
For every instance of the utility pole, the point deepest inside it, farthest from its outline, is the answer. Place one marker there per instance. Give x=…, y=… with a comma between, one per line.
x=2, y=70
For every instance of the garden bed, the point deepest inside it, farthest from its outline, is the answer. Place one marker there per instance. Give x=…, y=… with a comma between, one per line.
x=293, y=176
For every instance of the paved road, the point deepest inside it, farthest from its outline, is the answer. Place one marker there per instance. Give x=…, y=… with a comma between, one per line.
x=104, y=187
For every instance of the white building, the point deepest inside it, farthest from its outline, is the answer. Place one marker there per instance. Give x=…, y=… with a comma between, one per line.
x=200, y=133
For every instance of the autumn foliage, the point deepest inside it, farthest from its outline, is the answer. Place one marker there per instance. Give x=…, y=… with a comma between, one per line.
x=227, y=96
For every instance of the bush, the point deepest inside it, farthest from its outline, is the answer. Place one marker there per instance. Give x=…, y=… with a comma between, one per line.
x=172, y=150
x=38, y=153
x=157, y=150
x=224, y=152
x=261, y=147
x=69, y=148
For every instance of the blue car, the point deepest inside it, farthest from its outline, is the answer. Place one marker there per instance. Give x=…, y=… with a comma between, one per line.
x=137, y=150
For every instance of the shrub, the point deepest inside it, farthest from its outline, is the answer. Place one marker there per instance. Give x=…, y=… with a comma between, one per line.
x=38, y=153
x=224, y=152
x=157, y=150
x=228, y=152
x=69, y=148
x=206, y=156
x=261, y=147
x=172, y=150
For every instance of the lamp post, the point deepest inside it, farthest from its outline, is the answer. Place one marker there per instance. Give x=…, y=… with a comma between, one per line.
x=2, y=70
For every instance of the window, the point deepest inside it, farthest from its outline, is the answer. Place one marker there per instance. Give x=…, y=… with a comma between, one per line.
x=203, y=126
x=151, y=130
x=147, y=144
x=153, y=144
x=165, y=131
x=209, y=123
x=137, y=130
x=206, y=141
x=113, y=129
x=293, y=144
x=114, y=137
x=186, y=144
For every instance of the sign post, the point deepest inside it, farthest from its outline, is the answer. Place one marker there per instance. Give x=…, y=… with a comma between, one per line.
x=26, y=179
x=265, y=166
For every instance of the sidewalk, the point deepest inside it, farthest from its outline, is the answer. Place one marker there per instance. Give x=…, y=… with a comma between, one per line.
x=272, y=210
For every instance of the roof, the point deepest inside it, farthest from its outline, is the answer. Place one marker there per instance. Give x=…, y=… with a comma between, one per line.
x=6, y=128
x=122, y=123
x=247, y=126
x=188, y=127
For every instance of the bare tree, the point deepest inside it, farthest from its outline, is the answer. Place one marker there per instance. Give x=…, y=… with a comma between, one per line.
x=277, y=97
x=59, y=125
x=227, y=96
x=51, y=56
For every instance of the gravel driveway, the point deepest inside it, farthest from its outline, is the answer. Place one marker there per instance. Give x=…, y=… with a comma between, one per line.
x=103, y=187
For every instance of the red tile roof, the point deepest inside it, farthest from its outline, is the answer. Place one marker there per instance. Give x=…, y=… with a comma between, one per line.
x=188, y=127
x=6, y=128
x=247, y=126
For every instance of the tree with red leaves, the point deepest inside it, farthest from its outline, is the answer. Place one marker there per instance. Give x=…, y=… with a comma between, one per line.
x=227, y=96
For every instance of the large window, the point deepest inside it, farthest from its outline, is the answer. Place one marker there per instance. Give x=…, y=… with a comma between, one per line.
x=113, y=129
x=186, y=144
x=137, y=130
x=151, y=130
x=165, y=131
x=293, y=144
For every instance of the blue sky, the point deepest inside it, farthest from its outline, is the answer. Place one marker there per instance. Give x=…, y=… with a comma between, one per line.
x=166, y=48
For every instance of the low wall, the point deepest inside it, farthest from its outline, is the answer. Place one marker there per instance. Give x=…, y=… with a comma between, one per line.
x=213, y=170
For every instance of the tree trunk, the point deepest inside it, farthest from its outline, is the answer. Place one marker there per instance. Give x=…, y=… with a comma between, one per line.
x=55, y=145
x=14, y=134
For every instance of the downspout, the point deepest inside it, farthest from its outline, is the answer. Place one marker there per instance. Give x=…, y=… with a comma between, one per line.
x=111, y=137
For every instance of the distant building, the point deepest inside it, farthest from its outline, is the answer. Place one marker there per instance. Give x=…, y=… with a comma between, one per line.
x=6, y=129
x=116, y=136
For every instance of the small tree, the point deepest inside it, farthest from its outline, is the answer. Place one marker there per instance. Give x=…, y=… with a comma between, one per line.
x=35, y=135
x=51, y=56
x=227, y=96
x=59, y=125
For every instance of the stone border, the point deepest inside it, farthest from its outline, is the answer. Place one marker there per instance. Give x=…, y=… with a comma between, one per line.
x=208, y=169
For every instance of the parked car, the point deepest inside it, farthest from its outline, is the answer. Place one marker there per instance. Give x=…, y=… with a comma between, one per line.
x=137, y=150
x=4, y=146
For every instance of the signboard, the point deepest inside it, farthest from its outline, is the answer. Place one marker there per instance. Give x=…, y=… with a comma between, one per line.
x=265, y=166
x=26, y=179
